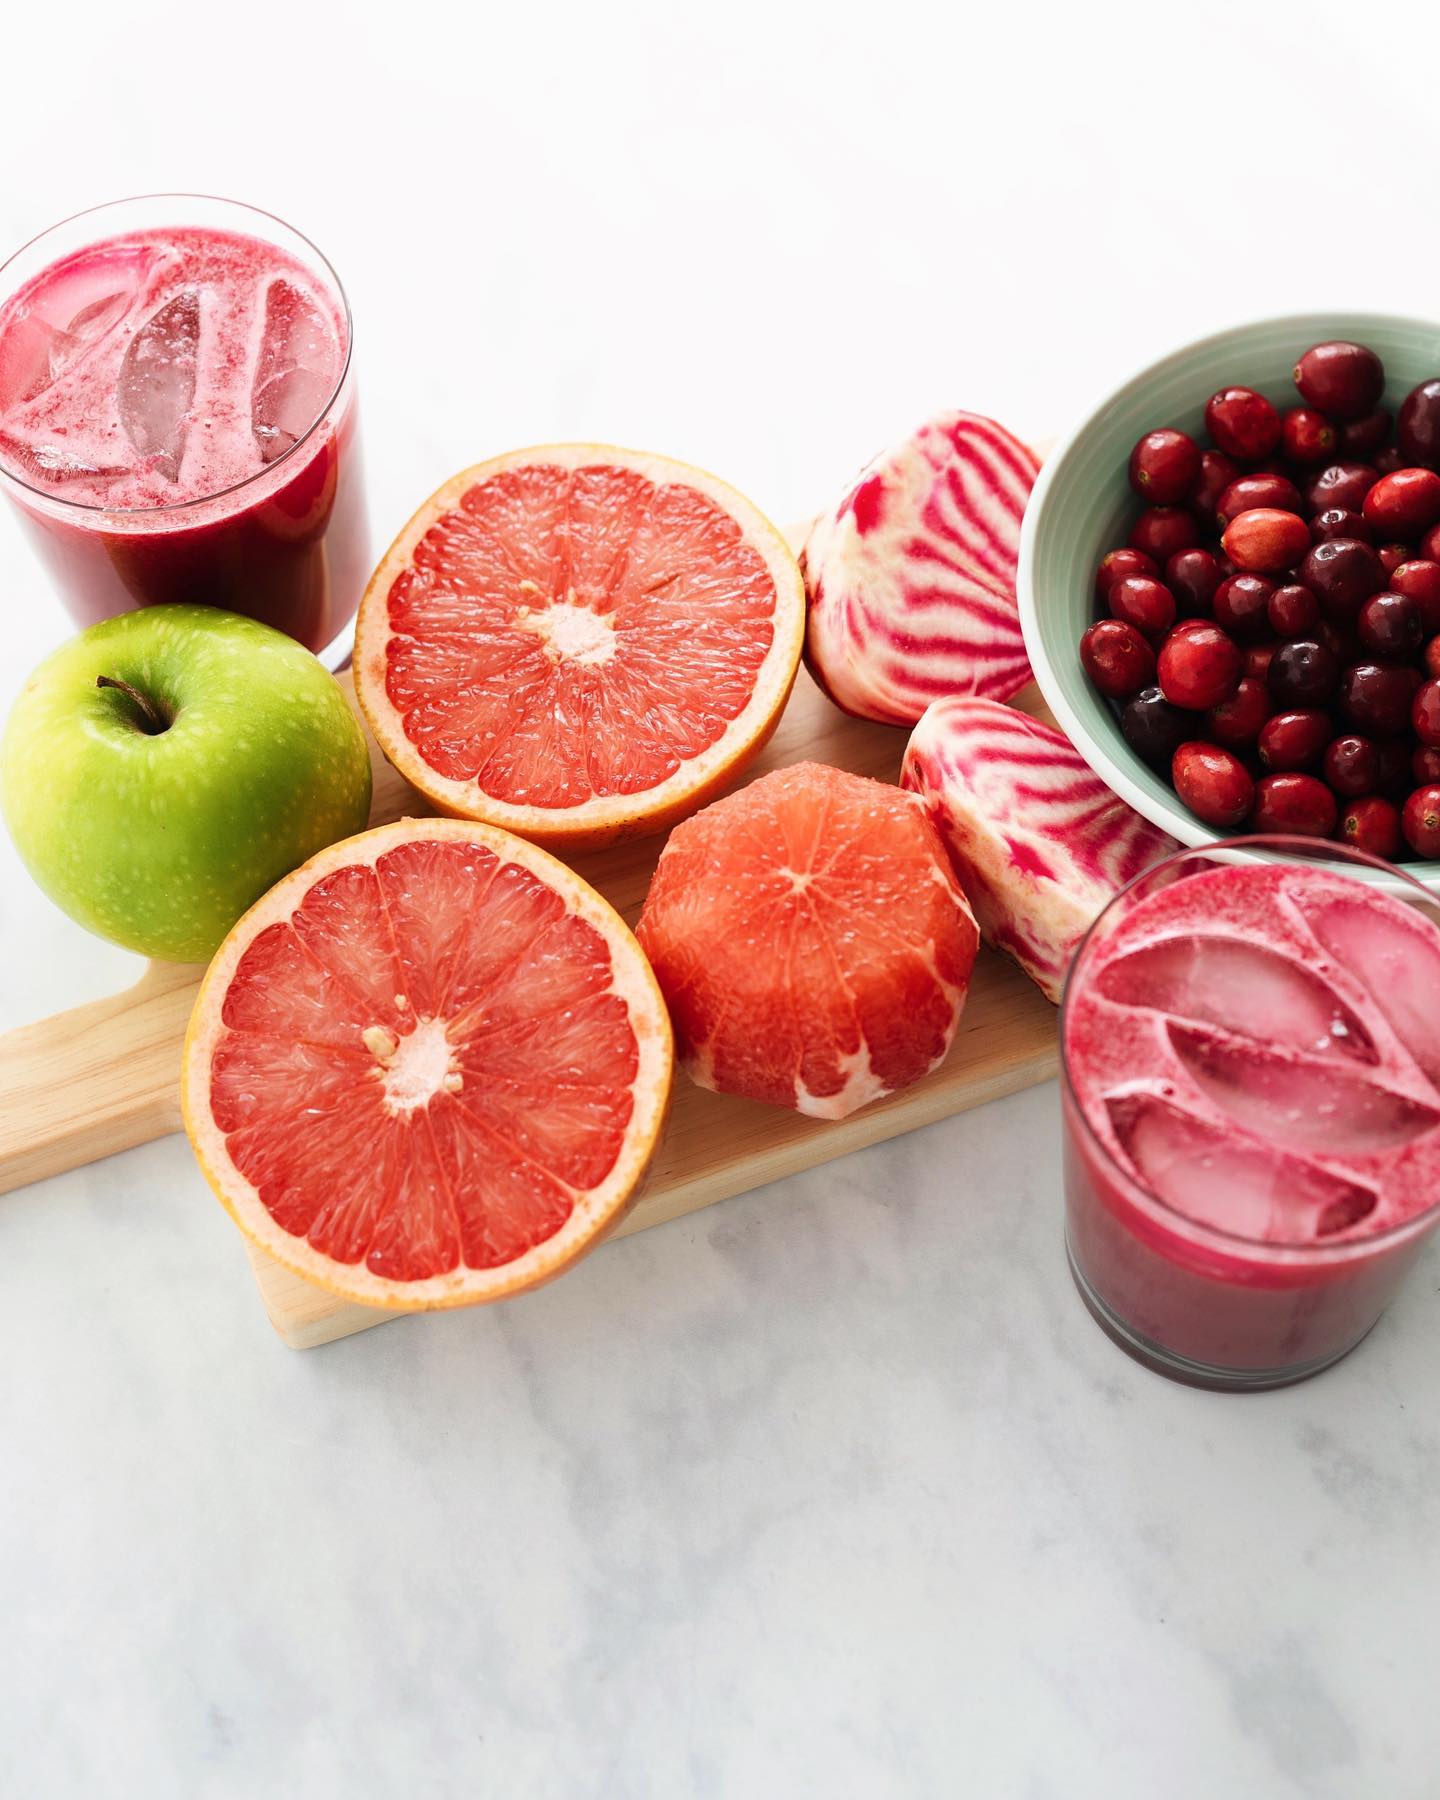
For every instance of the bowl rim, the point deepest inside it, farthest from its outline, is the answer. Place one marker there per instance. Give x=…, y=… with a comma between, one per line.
x=1176, y=819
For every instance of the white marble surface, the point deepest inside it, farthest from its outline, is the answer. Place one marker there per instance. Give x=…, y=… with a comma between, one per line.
x=833, y=1489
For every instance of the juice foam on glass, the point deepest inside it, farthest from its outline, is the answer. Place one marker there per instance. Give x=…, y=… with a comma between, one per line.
x=177, y=417
x=1252, y=1117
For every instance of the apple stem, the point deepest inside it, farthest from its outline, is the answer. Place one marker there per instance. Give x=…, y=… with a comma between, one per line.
x=152, y=720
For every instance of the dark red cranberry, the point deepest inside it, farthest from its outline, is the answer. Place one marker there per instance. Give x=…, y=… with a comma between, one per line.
x=1420, y=821
x=1389, y=625
x=1425, y=765
x=1417, y=429
x=1292, y=610
x=1430, y=656
x=1405, y=504
x=1295, y=740
x=1388, y=460
x=1192, y=576
x=1394, y=754
x=1164, y=467
x=1266, y=539
x=1162, y=530
x=1213, y=783
x=1217, y=471
x=1342, y=573
x=1420, y=579
x=1249, y=491
x=1375, y=697
x=1344, y=380
x=1116, y=658
x=1258, y=658
x=1199, y=666
x=1153, y=728
x=1241, y=606
x=1116, y=564
x=1338, y=522
x=1242, y=423
x=1371, y=824
x=1299, y=804
x=1430, y=544
x=1365, y=437
x=1352, y=766
x=1303, y=673
x=1341, y=484
x=1147, y=605
x=1237, y=721
x=1392, y=555
x=1425, y=712
x=1307, y=436
x=1343, y=644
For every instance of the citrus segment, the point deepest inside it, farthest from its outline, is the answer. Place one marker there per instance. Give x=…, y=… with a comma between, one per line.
x=578, y=643
x=428, y=1068
x=810, y=940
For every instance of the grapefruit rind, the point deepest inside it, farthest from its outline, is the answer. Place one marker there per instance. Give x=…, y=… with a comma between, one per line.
x=605, y=819
x=596, y=1211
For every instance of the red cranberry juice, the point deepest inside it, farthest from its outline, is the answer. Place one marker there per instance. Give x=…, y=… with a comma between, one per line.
x=157, y=397
x=1252, y=1121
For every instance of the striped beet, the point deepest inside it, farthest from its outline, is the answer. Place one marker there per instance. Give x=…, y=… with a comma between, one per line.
x=912, y=577
x=1038, y=840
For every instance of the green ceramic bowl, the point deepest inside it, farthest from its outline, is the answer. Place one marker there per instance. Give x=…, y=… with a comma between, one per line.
x=1082, y=506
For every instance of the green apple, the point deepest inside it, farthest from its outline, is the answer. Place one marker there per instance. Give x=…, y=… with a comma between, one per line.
x=160, y=771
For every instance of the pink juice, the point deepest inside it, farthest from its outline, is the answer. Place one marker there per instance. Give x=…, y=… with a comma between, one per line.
x=177, y=423
x=1252, y=1119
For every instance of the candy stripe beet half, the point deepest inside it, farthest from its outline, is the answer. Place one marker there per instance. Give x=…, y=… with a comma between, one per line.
x=810, y=940
x=911, y=578
x=428, y=1068
x=1038, y=840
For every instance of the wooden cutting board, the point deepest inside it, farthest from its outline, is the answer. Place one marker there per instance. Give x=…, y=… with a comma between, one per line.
x=105, y=1076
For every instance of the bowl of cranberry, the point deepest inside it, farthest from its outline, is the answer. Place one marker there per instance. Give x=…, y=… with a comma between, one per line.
x=1230, y=585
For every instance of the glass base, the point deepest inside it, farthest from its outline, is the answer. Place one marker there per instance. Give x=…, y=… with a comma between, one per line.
x=337, y=654
x=1161, y=1361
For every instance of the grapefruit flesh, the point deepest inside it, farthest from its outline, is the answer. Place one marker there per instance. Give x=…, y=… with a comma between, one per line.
x=428, y=1068
x=811, y=941
x=579, y=643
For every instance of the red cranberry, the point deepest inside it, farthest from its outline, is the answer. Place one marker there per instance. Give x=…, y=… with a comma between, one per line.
x=1164, y=467
x=1192, y=576
x=1430, y=544
x=1116, y=658
x=1292, y=610
x=1372, y=824
x=1217, y=471
x=1147, y=605
x=1425, y=712
x=1405, y=504
x=1303, y=673
x=1417, y=429
x=1237, y=721
x=1343, y=380
x=1258, y=658
x=1375, y=697
x=1298, y=804
x=1338, y=522
x=1421, y=581
x=1392, y=555
x=1389, y=625
x=1351, y=766
x=1388, y=460
x=1215, y=785
x=1116, y=564
x=1199, y=666
x=1425, y=765
x=1342, y=573
x=1430, y=656
x=1294, y=740
x=1241, y=605
x=1267, y=539
x=1249, y=491
x=1341, y=484
x=1307, y=436
x=1420, y=821
x=1153, y=728
x=1162, y=530
x=1394, y=756
x=1365, y=437
x=1242, y=423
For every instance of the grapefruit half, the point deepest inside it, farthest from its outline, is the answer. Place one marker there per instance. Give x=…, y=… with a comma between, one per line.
x=579, y=643
x=428, y=1068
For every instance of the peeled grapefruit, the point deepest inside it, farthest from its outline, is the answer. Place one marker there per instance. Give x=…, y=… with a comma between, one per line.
x=811, y=941
x=579, y=643
x=428, y=1068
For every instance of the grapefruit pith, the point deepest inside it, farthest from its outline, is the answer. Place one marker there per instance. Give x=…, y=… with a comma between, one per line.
x=579, y=643
x=428, y=1068
x=811, y=941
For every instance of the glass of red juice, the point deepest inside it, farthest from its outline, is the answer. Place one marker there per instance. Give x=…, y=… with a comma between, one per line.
x=178, y=418
x=1250, y=1083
